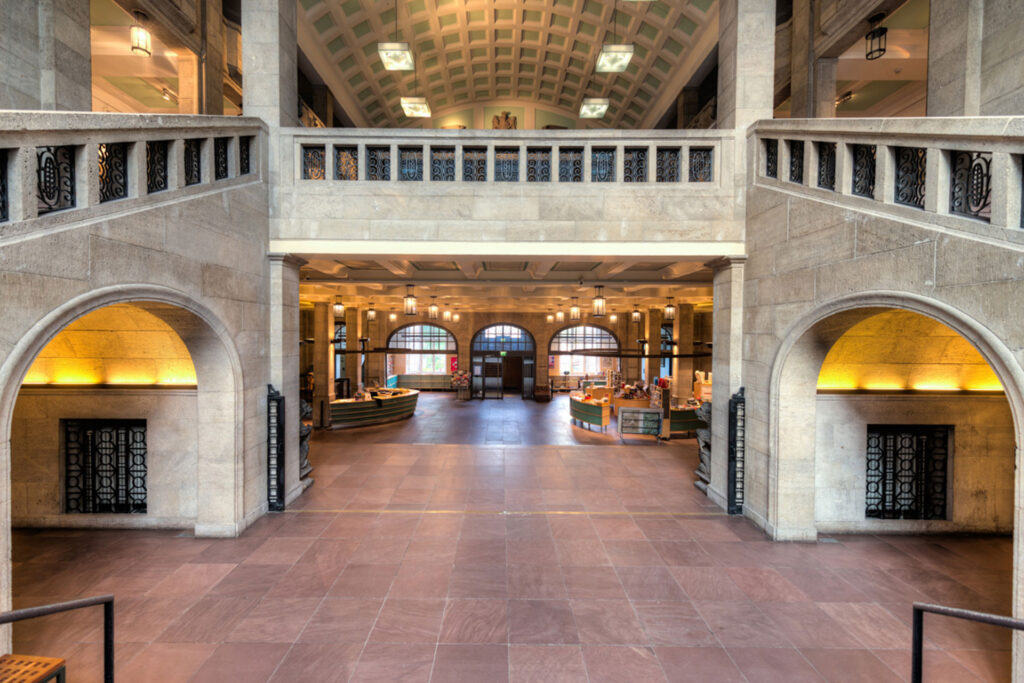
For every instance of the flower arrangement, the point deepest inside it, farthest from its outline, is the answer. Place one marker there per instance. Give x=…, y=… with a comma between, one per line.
x=460, y=378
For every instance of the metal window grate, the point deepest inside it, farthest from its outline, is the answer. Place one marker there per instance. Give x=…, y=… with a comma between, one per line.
x=378, y=163
x=701, y=169
x=55, y=178
x=570, y=164
x=583, y=338
x=827, y=165
x=796, y=161
x=244, y=151
x=5, y=207
x=442, y=164
x=771, y=158
x=275, y=449
x=113, y=170
x=104, y=466
x=474, y=164
x=418, y=337
x=970, y=190
x=220, y=158
x=737, y=452
x=910, y=176
x=668, y=165
x=346, y=163
x=410, y=163
x=634, y=165
x=193, y=162
x=863, y=171
x=538, y=165
x=314, y=162
x=506, y=164
x=907, y=471
x=156, y=166
x=602, y=165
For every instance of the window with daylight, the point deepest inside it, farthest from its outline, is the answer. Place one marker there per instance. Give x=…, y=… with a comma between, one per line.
x=502, y=338
x=567, y=342
x=418, y=337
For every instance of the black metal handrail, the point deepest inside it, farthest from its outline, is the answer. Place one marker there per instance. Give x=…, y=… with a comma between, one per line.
x=920, y=608
x=108, y=623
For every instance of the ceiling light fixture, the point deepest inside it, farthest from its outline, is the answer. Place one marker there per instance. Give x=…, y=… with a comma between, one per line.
x=670, y=310
x=392, y=316
x=456, y=317
x=614, y=56
x=169, y=96
x=371, y=314
x=339, y=308
x=874, y=40
x=594, y=107
x=598, y=301
x=141, y=40
x=396, y=56
x=635, y=314
x=433, y=310
x=409, y=301
x=446, y=315
x=613, y=318
x=559, y=316
x=574, y=309
x=416, y=107
x=845, y=97
x=551, y=316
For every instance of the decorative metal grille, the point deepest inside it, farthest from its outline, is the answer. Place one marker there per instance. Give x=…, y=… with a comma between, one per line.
x=796, y=161
x=970, y=190
x=410, y=163
x=442, y=164
x=156, y=165
x=502, y=338
x=602, y=165
x=827, y=165
x=104, y=466
x=907, y=469
x=506, y=164
x=570, y=164
x=701, y=169
x=771, y=158
x=538, y=165
x=634, y=165
x=474, y=164
x=668, y=165
x=55, y=178
x=582, y=338
x=4, y=201
x=346, y=163
x=378, y=163
x=864, y=171
x=314, y=162
x=275, y=449
x=910, y=173
x=419, y=337
x=113, y=163
x=193, y=158
x=737, y=452
x=220, y=158
x=244, y=150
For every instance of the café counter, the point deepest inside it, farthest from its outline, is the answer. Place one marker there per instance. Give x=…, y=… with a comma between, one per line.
x=384, y=405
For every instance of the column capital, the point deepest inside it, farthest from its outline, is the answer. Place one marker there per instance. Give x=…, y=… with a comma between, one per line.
x=287, y=259
x=724, y=262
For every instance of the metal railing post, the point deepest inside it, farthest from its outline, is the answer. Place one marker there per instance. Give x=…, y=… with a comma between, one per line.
x=917, y=649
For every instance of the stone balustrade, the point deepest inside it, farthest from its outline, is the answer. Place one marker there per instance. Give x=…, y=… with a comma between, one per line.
x=59, y=168
x=962, y=174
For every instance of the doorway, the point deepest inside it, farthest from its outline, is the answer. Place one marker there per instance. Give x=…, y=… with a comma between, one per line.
x=513, y=373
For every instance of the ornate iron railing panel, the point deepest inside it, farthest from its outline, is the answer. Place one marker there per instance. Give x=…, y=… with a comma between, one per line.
x=970, y=184
x=701, y=168
x=156, y=165
x=506, y=164
x=346, y=163
x=113, y=170
x=771, y=158
x=474, y=164
x=907, y=469
x=104, y=466
x=275, y=449
x=193, y=162
x=864, y=171
x=796, y=161
x=538, y=165
x=5, y=210
x=570, y=164
x=910, y=176
x=410, y=163
x=668, y=165
x=442, y=164
x=244, y=151
x=220, y=158
x=602, y=165
x=634, y=165
x=737, y=452
x=827, y=165
x=55, y=178
x=314, y=162
x=378, y=163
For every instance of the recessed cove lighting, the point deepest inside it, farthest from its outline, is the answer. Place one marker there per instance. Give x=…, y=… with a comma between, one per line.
x=396, y=56
x=594, y=107
x=614, y=58
x=416, y=107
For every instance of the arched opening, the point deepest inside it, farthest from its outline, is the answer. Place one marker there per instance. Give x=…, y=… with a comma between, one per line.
x=583, y=352
x=420, y=356
x=502, y=356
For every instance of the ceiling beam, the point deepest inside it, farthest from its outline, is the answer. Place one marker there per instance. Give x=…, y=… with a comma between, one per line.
x=470, y=268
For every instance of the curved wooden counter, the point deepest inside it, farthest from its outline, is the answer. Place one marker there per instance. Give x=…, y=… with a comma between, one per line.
x=352, y=413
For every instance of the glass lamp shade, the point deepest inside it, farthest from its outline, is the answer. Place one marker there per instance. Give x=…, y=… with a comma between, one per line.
x=392, y=316
x=670, y=311
x=551, y=318
x=560, y=316
x=416, y=107
x=614, y=58
x=874, y=42
x=634, y=315
x=613, y=318
x=574, y=310
x=409, y=302
x=594, y=107
x=396, y=56
x=371, y=314
x=339, y=310
x=446, y=316
x=599, y=304
x=456, y=317
x=433, y=311
x=142, y=41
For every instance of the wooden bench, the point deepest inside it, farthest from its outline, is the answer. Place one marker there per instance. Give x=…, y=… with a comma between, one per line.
x=30, y=669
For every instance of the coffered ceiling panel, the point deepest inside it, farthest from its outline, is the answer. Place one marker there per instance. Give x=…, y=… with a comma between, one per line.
x=479, y=51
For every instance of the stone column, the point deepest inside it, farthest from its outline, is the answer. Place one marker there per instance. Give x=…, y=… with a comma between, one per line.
x=682, y=368
x=213, y=62
x=269, y=61
x=726, y=365
x=188, y=84
x=284, y=357
x=823, y=99
x=64, y=54
x=653, y=335
x=746, y=58
x=323, y=363
x=954, y=57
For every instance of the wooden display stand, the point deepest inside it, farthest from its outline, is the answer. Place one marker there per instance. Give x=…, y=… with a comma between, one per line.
x=582, y=412
x=619, y=403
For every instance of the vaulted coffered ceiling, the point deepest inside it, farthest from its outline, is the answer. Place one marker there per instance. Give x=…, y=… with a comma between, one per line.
x=505, y=52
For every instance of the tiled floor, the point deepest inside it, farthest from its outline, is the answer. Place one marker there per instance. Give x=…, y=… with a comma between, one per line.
x=474, y=559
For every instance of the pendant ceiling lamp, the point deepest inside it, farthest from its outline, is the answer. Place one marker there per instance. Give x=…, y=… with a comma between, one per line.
x=433, y=311
x=409, y=301
x=635, y=314
x=446, y=315
x=339, y=309
x=560, y=316
x=396, y=56
x=594, y=107
x=371, y=314
x=141, y=40
x=598, y=302
x=613, y=318
x=574, y=309
x=670, y=310
x=456, y=317
x=614, y=56
x=551, y=316
x=416, y=107
x=392, y=316
x=874, y=40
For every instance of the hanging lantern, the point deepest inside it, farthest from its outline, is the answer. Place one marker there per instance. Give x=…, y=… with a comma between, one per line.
x=670, y=311
x=599, y=302
x=456, y=317
x=635, y=314
x=409, y=301
x=392, y=316
x=574, y=310
x=141, y=40
x=371, y=314
x=560, y=316
x=874, y=40
x=339, y=309
x=446, y=315
x=613, y=318
x=433, y=310
x=551, y=317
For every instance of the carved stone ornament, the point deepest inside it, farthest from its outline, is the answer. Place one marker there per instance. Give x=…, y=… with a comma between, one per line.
x=504, y=121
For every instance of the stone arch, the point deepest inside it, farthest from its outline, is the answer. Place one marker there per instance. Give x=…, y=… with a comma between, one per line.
x=793, y=386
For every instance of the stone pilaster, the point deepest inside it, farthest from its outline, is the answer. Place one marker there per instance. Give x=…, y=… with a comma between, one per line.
x=323, y=363
x=954, y=57
x=284, y=356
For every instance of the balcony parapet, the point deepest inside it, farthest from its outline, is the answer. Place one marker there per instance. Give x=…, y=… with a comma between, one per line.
x=960, y=174
x=62, y=168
